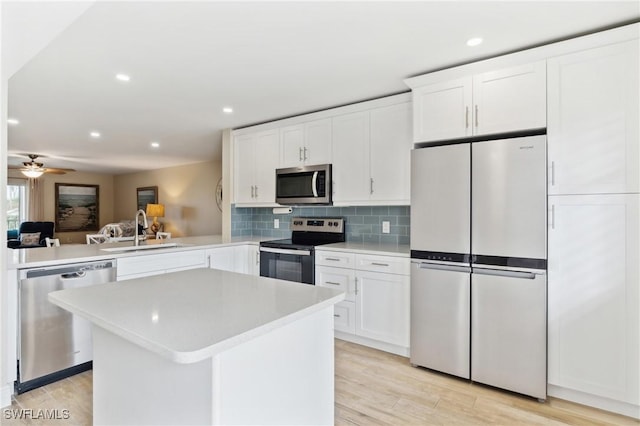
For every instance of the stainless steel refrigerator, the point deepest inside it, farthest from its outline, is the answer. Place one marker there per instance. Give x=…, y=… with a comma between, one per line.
x=478, y=248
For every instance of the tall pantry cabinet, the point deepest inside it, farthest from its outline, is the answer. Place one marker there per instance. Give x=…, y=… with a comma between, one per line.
x=594, y=229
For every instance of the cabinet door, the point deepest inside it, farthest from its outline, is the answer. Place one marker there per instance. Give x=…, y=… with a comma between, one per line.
x=510, y=99
x=291, y=146
x=351, y=157
x=344, y=317
x=442, y=110
x=337, y=278
x=594, y=121
x=390, y=153
x=265, y=165
x=243, y=159
x=593, y=295
x=221, y=258
x=317, y=142
x=382, y=307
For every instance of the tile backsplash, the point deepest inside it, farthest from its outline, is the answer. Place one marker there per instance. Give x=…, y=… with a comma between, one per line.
x=364, y=224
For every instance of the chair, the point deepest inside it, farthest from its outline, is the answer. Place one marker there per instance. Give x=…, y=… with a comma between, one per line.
x=96, y=238
x=52, y=242
x=163, y=235
x=32, y=234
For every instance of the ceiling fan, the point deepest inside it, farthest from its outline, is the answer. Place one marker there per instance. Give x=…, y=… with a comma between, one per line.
x=34, y=169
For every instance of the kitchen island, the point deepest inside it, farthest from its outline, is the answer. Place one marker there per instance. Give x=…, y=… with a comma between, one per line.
x=206, y=346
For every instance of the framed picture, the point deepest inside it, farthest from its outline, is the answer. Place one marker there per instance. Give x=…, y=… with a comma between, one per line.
x=77, y=207
x=146, y=195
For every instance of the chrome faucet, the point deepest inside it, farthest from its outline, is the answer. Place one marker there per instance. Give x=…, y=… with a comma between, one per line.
x=136, y=242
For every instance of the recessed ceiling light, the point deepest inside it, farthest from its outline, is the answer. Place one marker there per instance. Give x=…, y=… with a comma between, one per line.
x=227, y=110
x=13, y=121
x=474, y=41
x=155, y=145
x=123, y=77
x=94, y=134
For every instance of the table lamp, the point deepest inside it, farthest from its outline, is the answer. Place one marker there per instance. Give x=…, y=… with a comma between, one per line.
x=155, y=211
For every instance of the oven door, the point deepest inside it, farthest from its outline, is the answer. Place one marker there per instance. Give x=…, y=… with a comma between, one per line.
x=287, y=264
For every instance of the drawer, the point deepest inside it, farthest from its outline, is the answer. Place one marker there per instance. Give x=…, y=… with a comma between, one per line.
x=338, y=278
x=335, y=258
x=344, y=317
x=161, y=263
x=388, y=264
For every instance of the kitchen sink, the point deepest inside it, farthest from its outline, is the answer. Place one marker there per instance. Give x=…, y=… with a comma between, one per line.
x=143, y=247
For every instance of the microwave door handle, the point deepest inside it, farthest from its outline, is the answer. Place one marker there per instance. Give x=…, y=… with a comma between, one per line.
x=314, y=184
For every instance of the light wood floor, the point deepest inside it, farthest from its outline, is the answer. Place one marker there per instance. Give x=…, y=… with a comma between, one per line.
x=372, y=388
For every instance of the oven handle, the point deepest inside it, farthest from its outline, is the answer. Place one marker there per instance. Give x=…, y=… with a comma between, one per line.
x=286, y=251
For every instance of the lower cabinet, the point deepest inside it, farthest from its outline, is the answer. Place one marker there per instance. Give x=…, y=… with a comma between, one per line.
x=594, y=300
x=156, y=264
x=375, y=311
x=244, y=259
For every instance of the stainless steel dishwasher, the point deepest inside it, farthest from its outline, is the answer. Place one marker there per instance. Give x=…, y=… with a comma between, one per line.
x=53, y=343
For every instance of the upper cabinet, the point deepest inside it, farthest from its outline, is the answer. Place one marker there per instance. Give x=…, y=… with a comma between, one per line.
x=255, y=162
x=306, y=144
x=372, y=156
x=594, y=118
x=499, y=101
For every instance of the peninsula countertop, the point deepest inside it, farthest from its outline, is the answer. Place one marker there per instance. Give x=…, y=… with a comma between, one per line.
x=192, y=315
x=72, y=253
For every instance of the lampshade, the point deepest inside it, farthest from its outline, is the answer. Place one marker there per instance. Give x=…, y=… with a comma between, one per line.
x=155, y=210
x=32, y=173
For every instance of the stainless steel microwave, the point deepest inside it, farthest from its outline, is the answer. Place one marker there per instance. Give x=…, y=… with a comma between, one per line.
x=304, y=185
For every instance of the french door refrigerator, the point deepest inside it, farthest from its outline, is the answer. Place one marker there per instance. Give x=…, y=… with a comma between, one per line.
x=478, y=248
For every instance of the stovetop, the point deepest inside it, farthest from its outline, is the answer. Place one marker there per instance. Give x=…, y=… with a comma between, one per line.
x=308, y=232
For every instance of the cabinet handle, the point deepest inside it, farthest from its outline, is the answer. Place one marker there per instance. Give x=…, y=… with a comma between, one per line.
x=300, y=153
x=553, y=173
x=209, y=261
x=379, y=264
x=252, y=192
x=371, y=186
x=256, y=191
x=332, y=259
x=336, y=315
x=476, y=115
x=305, y=153
x=553, y=216
x=331, y=282
x=257, y=257
x=356, y=280
x=466, y=118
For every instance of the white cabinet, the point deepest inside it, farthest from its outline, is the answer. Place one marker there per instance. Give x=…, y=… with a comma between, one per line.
x=372, y=155
x=375, y=311
x=382, y=307
x=594, y=297
x=594, y=120
x=351, y=157
x=493, y=102
x=255, y=163
x=243, y=259
x=162, y=263
x=306, y=144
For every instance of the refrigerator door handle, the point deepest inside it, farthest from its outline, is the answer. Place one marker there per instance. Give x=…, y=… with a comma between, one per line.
x=501, y=273
x=439, y=267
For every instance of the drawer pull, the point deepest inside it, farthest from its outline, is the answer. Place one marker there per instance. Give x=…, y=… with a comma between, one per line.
x=336, y=315
x=334, y=259
x=379, y=264
x=331, y=282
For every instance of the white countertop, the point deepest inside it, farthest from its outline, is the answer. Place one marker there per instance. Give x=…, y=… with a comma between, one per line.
x=192, y=315
x=72, y=253
x=400, y=250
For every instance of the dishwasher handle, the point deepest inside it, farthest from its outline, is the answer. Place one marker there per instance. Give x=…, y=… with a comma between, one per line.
x=68, y=270
x=73, y=275
x=502, y=273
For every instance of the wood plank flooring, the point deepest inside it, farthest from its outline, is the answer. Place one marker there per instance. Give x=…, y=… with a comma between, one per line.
x=372, y=388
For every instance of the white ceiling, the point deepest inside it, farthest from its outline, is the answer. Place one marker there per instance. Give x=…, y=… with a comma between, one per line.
x=265, y=59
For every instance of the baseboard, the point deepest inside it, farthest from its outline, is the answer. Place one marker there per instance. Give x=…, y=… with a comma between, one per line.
x=618, y=407
x=376, y=344
x=5, y=396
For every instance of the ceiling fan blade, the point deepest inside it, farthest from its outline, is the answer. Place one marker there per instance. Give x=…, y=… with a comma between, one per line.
x=57, y=171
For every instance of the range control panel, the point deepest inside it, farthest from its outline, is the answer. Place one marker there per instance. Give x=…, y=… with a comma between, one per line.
x=318, y=224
